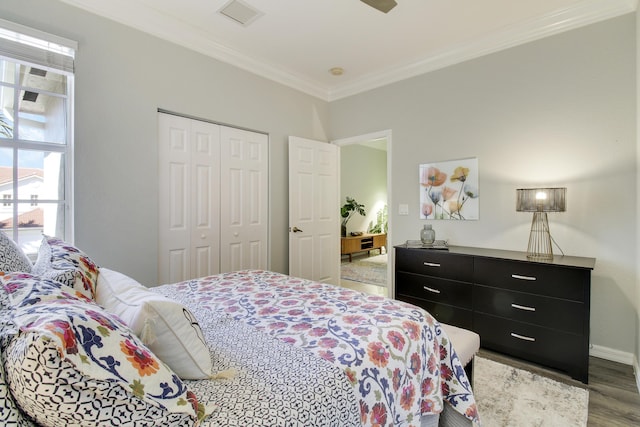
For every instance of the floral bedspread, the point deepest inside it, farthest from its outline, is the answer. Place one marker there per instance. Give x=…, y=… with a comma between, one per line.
x=397, y=357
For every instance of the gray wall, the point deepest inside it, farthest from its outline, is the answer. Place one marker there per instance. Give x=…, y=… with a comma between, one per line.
x=122, y=77
x=558, y=112
x=637, y=366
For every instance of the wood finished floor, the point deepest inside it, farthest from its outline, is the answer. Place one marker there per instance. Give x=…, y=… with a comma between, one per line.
x=614, y=400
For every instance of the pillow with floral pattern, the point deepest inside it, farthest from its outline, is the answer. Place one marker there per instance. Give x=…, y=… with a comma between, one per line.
x=26, y=289
x=65, y=263
x=92, y=370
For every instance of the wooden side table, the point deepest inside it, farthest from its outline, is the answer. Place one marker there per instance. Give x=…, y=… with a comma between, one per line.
x=365, y=242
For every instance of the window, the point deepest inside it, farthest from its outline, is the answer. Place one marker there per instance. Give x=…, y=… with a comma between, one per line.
x=36, y=106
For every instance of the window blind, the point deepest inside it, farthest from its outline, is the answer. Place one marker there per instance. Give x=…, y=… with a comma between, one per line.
x=30, y=45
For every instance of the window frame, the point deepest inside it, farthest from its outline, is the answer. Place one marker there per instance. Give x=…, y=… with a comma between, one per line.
x=50, y=47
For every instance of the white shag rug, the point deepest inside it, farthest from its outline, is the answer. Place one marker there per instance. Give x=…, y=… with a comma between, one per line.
x=507, y=396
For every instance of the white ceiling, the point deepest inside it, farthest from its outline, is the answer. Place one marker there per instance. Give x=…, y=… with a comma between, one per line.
x=296, y=42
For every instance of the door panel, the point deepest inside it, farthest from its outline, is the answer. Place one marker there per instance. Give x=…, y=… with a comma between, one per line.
x=188, y=235
x=314, y=210
x=205, y=194
x=244, y=200
x=174, y=173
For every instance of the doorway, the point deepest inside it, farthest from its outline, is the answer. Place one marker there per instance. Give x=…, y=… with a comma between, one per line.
x=365, y=177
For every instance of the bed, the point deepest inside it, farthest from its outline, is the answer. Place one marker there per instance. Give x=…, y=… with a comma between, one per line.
x=86, y=345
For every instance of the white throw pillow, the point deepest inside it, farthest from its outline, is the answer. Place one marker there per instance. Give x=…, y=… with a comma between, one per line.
x=167, y=327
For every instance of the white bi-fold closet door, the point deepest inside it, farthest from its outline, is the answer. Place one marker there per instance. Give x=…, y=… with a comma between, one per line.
x=213, y=201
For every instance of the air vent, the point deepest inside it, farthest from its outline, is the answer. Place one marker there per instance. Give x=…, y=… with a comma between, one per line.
x=30, y=96
x=240, y=12
x=38, y=72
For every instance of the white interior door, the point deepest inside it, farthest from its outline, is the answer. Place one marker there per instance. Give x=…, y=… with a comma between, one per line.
x=244, y=200
x=314, y=212
x=189, y=172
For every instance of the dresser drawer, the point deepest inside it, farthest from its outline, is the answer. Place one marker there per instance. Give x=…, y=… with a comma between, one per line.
x=435, y=289
x=544, y=346
x=443, y=313
x=543, y=279
x=435, y=263
x=553, y=313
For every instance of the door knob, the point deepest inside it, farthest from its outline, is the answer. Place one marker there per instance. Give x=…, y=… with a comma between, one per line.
x=296, y=230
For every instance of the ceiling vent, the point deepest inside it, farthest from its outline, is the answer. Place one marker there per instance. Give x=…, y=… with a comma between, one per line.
x=30, y=96
x=37, y=72
x=240, y=12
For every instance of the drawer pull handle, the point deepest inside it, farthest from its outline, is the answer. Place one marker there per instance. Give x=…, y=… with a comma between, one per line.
x=522, y=337
x=434, y=291
x=431, y=264
x=523, y=307
x=517, y=276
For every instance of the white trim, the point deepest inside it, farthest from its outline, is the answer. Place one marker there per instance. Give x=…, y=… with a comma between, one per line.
x=614, y=355
x=388, y=135
x=580, y=14
x=618, y=356
x=636, y=371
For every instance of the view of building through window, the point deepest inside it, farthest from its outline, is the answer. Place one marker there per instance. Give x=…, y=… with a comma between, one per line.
x=34, y=142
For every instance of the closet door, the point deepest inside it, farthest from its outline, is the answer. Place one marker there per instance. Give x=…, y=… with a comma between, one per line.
x=189, y=170
x=244, y=200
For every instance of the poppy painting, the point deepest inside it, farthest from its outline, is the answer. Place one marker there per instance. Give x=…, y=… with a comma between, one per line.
x=449, y=190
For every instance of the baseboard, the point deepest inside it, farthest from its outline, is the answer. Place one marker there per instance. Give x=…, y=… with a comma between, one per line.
x=618, y=356
x=636, y=370
x=613, y=355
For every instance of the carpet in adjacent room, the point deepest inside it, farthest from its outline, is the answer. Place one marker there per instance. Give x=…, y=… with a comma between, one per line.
x=372, y=270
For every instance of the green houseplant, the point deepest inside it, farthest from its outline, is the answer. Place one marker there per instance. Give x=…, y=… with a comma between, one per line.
x=381, y=224
x=347, y=210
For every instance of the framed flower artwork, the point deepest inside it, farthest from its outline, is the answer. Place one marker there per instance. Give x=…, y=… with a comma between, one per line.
x=449, y=190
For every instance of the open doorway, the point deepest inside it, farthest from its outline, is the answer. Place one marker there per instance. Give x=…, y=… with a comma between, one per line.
x=365, y=178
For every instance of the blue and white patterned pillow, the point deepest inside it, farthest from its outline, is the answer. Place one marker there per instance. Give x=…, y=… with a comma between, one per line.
x=10, y=413
x=91, y=369
x=12, y=258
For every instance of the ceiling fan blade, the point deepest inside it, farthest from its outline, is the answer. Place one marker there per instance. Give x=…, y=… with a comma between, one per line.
x=382, y=5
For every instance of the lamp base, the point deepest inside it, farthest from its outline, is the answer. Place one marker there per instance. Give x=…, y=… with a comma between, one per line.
x=539, y=238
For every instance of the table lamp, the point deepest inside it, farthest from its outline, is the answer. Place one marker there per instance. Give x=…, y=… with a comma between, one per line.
x=540, y=201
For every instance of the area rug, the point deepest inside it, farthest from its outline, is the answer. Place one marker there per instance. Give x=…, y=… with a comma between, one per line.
x=508, y=396
x=371, y=270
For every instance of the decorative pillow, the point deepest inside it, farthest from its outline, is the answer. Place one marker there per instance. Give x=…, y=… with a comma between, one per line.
x=12, y=258
x=26, y=289
x=10, y=413
x=75, y=364
x=63, y=262
x=167, y=327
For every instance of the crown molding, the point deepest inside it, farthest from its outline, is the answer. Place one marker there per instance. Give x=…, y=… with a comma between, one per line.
x=579, y=15
x=165, y=27
x=178, y=32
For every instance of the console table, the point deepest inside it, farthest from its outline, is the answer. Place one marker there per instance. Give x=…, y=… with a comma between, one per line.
x=365, y=242
x=534, y=310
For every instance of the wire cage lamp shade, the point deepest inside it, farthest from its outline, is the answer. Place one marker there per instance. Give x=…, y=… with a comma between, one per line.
x=540, y=201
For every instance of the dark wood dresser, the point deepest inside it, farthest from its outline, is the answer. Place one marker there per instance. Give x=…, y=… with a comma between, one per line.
x=534, y=310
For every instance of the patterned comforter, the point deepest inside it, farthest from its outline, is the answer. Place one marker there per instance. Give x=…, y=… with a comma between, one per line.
x=398, y=361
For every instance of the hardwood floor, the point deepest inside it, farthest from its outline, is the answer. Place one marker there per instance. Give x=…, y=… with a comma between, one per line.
x=614, y=400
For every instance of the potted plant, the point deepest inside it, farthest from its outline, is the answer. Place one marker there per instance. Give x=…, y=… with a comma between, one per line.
x=381, y=224
x=347, y=211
